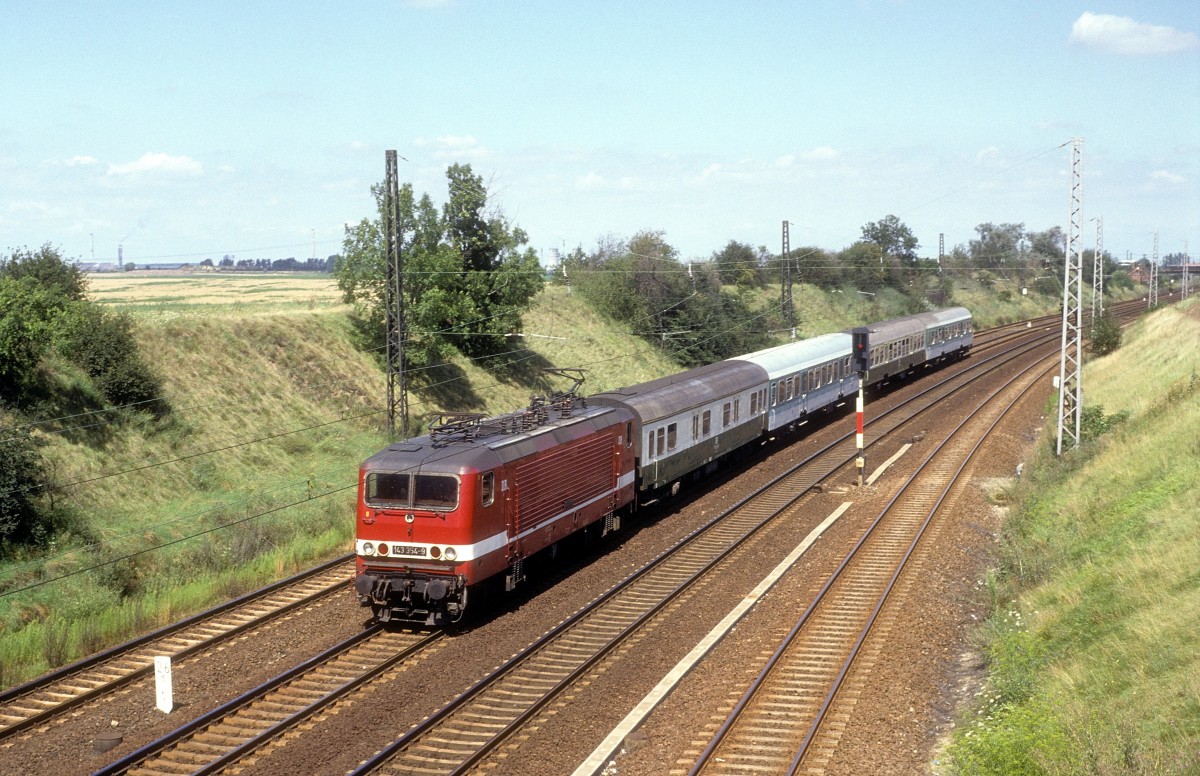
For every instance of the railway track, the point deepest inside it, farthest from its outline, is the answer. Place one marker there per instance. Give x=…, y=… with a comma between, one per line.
x=791, y=718
x=35, y=703
x=246, y=739
x=234, y=732
x=465, y=732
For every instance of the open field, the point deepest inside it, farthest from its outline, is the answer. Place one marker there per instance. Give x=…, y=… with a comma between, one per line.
x=161, y=294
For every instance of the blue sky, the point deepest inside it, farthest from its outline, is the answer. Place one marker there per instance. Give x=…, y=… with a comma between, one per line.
x=198, y=129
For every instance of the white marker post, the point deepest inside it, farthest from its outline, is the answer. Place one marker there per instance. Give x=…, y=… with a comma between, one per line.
x=163, y=692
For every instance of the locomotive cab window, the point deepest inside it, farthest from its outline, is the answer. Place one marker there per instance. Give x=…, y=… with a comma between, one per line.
x=672, y=434
x=435, y=491
x=388, y=489
x=487, y=488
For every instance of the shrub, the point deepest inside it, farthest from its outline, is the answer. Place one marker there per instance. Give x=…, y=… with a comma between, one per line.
x=25, y=314
x=46, y=269
x=1106, y=334
x=102, y=343
x=21, y=481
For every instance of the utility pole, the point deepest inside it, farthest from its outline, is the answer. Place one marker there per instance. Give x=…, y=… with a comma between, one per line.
x=1070, y=406
x=941, y=248
x=1152, y=297
x=1186, y=266
x=789, y=315
x=397, y=390
x=1098, y=273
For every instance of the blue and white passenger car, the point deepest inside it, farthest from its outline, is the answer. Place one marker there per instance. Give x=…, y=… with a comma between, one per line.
x=804, y=376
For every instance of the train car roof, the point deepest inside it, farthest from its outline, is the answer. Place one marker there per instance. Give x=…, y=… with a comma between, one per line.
x=793, y=356
x=488, y=448
x=670, y=395
x=943, y=317
x=896, y=328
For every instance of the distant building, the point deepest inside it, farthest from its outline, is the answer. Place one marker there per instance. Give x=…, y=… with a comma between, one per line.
x=166, y=266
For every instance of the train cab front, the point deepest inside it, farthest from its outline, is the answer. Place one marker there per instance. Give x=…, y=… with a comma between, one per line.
x=412, y=541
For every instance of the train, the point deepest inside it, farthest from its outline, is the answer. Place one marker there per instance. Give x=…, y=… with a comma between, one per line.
x=444, y=516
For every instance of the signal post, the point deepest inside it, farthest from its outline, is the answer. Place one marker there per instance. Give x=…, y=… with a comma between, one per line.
x=860, y=361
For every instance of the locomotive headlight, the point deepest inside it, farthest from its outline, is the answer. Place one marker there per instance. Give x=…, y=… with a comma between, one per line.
x=434, y=552
x=383, y=549
x=368, y=548
x=451, y=553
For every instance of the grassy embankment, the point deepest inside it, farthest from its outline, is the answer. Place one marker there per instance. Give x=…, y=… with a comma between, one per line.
x=1094, y=645
x=252, y=476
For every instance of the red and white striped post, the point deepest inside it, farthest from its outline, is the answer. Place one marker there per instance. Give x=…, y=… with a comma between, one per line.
x=861, y=362
x=861, y=461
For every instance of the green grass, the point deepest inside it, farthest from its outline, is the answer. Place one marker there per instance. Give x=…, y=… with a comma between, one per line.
x=1094, y=648
x=272, y=405
x=269, y=409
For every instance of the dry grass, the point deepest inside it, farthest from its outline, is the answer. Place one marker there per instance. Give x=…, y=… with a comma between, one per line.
x=165, y=295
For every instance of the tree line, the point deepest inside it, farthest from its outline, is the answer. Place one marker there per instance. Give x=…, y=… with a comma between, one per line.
x=290, y=264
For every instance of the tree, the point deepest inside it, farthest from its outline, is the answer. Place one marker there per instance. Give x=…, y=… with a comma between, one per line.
x=467, y=273
x=998, y=245
x=21, y=480
x=48, y=269
x=893, y=237
x=26, y=314
x=862, y=266
x=738, y=264
x=643, y=284
x=103, y=344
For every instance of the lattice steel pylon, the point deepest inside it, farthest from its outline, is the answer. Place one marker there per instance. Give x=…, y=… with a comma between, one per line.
x=785, y=265
x=1152, y=297
x=1070, y=405
x=1098, y=273
x=397, y=389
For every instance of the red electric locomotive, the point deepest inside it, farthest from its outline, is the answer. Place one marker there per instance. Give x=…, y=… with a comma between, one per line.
x=440, y=515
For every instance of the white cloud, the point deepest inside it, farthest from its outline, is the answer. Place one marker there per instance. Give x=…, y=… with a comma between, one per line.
x=1122, y=35
x=80, y=161
x=590, y=182
x=153, y=162
x=453, y=147
x=785, y=161
x=1169, y=177
x=821, y=154
x=987, y=154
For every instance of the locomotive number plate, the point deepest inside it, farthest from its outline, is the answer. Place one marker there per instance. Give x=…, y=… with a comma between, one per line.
x=401, y=549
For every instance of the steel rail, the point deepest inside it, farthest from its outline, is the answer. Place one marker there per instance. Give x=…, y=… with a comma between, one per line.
x=235, y=730
x=51, y=694
x=769, y=669
x=472, y=758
